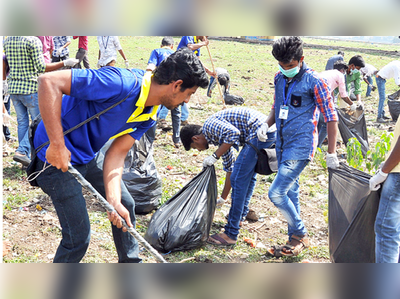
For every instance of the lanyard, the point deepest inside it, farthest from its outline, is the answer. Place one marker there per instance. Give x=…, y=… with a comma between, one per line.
x=285, y=99
x=106, y=44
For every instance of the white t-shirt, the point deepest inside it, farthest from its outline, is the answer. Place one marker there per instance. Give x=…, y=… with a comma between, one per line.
x=368, y=70
x=391, y=70
x=108, y=45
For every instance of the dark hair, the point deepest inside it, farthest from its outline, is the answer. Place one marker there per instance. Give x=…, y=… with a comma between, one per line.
x=167, y=41
x=357, y=60
x=184, y=65
x=187, y=132
x=340, y=65
x=287, y=49
x=341, y=53
x=223, y=79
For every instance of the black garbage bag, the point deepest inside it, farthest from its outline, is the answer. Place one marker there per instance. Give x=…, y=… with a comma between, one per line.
x=231, y=99
x=184, y=221
x=394, y=96
x=140, y=175
x=394, y=109
x=353, y=126
x=352, y=212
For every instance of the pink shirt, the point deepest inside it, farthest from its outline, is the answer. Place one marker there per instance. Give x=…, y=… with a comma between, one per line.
x=83, y=42
x=335, y=79
x=48, y=47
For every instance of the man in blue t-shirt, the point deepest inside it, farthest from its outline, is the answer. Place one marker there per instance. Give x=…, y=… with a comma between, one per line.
x=67, y=98
x=331, y=61
x=194, y=43
x=156, y=57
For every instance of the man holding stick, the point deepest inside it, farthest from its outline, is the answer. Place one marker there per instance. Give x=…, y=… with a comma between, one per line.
x=67, y=98
x=194, y=43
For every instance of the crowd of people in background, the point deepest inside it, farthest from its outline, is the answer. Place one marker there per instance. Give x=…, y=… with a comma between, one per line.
x=302, y=117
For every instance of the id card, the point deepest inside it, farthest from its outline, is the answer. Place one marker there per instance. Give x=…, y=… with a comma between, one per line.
x=284, y=112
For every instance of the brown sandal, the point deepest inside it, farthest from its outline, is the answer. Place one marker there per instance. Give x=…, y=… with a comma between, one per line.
x=296, y=245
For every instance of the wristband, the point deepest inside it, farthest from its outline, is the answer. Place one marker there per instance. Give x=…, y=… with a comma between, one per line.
x=215, y=156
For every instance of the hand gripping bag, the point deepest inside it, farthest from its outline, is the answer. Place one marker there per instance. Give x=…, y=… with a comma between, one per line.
x=184, y=221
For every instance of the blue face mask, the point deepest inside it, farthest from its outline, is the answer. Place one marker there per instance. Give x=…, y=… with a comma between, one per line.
x=353, y=71
x=291, y=72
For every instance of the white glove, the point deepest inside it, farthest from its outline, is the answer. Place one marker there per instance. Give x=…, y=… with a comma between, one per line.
x=262, y=132
x=5, y=87
x=332, y=161
x=70, y=62
x=59, y=50
x=209, y=161
x=220, y=201
x=353, y=107
x=127, y=64
x=376, y=180
x=360, y=104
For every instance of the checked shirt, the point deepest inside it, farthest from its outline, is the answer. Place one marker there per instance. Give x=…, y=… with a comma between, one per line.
x=25, y=58
x=232, y=126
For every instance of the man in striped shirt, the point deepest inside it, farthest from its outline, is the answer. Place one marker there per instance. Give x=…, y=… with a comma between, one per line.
x=300, y=95
x=229, y=129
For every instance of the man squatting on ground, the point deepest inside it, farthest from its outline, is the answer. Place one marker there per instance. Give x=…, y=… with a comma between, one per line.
x=67, y=98
x=300, y=95
x=229, y=129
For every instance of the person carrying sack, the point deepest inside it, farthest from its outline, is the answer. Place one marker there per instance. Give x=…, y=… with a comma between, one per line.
x=229, y=129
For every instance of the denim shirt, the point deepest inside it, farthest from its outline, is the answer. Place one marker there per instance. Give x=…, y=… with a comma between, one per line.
x=297, y=136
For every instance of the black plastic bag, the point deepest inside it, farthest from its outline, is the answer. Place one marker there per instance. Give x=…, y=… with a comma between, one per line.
x=231, y=99
x=184, y=221
x=140, y=175
x=352, y=212
x=394, y=109
x=353, y=126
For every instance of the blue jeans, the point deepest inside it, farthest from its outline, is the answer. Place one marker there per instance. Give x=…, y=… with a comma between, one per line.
x=24, y=105
x=380, y=83
x=369, y=89
x=176, y=121
x=66, y=194
x=284, y=194
x=243, y=181
x=185, y=112
x=387, y=223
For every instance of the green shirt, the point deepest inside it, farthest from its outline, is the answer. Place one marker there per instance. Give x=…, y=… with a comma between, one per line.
x=25, y=58
x=356, y=77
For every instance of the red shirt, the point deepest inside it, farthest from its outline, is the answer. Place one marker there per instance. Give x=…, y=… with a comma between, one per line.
x=83, y=42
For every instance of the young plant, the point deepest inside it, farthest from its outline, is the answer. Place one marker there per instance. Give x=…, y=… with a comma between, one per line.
x=378, y=156
x=320, y=158
x=355, y=157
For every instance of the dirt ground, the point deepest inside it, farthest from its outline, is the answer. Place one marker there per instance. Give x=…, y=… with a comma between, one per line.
x=34, y=230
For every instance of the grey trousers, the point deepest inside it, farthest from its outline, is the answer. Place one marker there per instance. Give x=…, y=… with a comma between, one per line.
x=83, y=57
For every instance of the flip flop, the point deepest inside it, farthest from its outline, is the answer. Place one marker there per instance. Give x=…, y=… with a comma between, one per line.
x=222, y=241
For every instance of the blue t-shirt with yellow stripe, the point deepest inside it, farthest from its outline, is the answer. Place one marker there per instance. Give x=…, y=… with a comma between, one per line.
x=92, y=91
x=185, y=40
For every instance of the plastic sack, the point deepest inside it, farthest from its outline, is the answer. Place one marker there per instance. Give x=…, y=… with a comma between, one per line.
x=394, y=109
x=352, y=125
x=140, y=175
x=352, y=212
x=184, y=221
x=231, y=99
